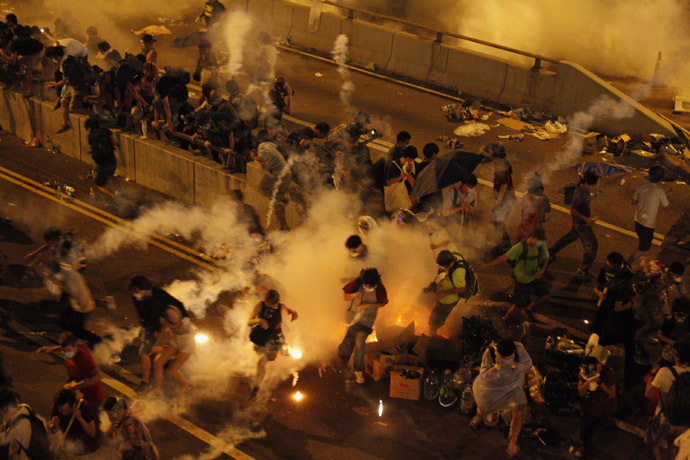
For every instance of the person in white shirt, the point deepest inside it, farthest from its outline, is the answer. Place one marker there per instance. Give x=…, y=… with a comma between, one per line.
x=74, y=47
x=15, y=430
x=648, y=198
x=661, y=428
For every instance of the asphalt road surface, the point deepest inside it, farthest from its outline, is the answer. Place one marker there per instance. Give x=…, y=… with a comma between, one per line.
x=335, y=420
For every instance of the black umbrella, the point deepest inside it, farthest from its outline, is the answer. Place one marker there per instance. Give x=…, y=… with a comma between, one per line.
x=444, y=171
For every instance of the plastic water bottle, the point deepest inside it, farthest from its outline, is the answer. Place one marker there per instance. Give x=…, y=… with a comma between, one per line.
x=431, y=386
x=467, y=400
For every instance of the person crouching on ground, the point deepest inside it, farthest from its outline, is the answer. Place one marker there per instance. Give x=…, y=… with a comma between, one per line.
x=499, y=387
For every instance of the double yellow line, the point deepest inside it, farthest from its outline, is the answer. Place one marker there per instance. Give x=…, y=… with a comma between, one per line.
x=108, y=219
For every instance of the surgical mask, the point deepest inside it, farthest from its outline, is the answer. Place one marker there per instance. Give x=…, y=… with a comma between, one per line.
x=370, y=288
x=69, y=354
x=355, y=253
x=680, y=318
x=678, y=280
x=139, y=295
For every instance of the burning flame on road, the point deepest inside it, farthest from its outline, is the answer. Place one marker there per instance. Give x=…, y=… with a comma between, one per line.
x=201, y=338
x=380, y=407
x=297, y=396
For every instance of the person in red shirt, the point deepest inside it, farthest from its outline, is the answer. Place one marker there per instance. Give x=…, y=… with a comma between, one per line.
x=81, y=368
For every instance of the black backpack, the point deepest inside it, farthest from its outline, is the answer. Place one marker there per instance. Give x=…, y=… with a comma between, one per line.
x=471, y=281
x=39, y=445
x=522, y=256
x=86, y=77
x=676, y=403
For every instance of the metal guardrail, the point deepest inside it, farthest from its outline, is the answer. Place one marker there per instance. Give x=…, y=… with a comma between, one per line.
x=351, y=10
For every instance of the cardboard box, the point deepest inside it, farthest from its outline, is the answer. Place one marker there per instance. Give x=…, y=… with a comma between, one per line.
x=593, y=143
x=406, y=388
x=378, y=364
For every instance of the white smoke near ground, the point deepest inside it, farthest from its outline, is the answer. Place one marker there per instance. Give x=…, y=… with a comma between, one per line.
x=220, y=224
x=339, y=53
x=114, y=341
x=605, y=107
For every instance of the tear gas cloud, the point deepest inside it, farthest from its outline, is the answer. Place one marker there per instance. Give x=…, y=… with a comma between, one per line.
x=339, y=53
x=616, y=37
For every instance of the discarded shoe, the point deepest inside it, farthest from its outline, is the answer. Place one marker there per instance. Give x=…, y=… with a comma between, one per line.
x=584, y=274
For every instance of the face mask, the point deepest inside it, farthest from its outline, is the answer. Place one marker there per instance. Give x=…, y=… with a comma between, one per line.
x=69, y=354
x=139, y=295
x=678, y=280
x=680, y=318
x=370, y=288
x=354, y=254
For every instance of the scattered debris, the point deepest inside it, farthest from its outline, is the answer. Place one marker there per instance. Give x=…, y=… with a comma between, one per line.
x=451, y=142
x=153, y=30
x=680, y=105
x=555, y=127
x=512, y=137
x=472, y=129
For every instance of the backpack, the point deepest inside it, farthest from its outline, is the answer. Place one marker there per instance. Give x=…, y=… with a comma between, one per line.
x=676, y=403
x=379, y=173
x=86, y=76
x=39, y=445
x=471, y=282
x=522, y=256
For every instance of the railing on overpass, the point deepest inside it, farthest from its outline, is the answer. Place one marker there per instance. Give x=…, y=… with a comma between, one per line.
x=351, y=10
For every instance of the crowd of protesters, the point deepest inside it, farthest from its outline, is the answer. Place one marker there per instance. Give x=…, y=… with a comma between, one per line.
x=131, y=93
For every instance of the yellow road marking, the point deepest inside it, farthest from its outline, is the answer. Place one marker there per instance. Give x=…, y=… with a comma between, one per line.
x=187, y=426
x=92, y=208
x=110, y=223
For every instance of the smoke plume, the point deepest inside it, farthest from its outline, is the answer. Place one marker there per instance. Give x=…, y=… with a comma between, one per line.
x=339, y=53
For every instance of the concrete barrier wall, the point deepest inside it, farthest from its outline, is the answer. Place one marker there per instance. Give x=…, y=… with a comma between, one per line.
x=370, y=45
x=412, y=56
x=50, y=121
x=18, y=114
x=165, y=168
x=577, y=89
x=212, y=182
x=569, y=90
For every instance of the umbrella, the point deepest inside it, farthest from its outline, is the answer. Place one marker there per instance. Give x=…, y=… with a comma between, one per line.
x=444, y=171
x=600, y=169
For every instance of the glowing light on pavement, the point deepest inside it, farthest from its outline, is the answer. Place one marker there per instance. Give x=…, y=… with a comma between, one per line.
x=201, y=338
x=296, y=354
x=380, y=408
x=297, y=396
x=586, y=321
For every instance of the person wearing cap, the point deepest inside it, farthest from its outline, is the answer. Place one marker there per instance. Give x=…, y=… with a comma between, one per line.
x=582, y=226
x=658, y=386
x=597, y=387
x=148, y=49
x=366, y=294
x=535, y=208
x=447, y=286
x=499, y=387
x=530, y=258
x=648, y=198
x=132, y=436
